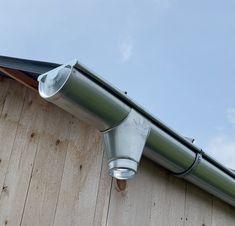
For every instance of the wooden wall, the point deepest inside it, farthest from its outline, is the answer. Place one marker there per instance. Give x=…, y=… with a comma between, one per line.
x=53, y=172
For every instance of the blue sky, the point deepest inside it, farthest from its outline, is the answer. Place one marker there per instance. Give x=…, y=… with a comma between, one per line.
x=174, y=57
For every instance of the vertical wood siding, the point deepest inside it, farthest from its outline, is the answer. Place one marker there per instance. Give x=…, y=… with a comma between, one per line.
x=53, y=171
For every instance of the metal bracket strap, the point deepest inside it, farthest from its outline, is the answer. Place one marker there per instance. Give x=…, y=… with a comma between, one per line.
x=188, y=171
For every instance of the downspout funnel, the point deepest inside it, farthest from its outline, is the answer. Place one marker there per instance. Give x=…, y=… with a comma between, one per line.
x=125, y=144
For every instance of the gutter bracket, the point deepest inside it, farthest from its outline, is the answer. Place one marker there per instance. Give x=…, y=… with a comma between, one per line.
x=193, y=167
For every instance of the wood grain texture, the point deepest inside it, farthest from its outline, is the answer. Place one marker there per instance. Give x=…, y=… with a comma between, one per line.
x=133, y=206
x=166, y=196
x=222, y=213
x=9, y=120
x=198, y=208
x=103, y=197
x=21, y=78
x=17, y=177
x=4, y=84
x=48, y=168
x=53, y=171
x=78, y=192
x=150, y=199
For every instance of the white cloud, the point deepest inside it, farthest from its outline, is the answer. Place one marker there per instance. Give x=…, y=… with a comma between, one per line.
x=126, y=49
x=230, y=113
x=223, y=149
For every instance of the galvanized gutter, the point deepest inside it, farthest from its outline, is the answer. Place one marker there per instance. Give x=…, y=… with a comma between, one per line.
x=129, y=131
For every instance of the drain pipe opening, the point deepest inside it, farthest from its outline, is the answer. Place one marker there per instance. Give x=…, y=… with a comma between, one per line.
x=122, y=169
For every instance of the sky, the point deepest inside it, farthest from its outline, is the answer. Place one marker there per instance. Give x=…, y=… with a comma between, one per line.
x=173, y=57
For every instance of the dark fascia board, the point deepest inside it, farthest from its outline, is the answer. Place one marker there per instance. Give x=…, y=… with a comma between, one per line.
x=35, y=68
x=31, y=67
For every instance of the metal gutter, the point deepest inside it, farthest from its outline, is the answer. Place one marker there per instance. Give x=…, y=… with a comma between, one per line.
x=93, y=76
x=129, y=130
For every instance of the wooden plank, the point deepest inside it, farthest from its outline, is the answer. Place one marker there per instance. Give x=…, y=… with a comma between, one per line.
x=168, y=200
x=223, y=214
x=4, y=84
x=21, y=78
x=8, y=126
x=132, y=207
x=198, y=208
x=150, y=199
x=104, y=192
x=48, y=168
x=78, y=193
x=21, y=162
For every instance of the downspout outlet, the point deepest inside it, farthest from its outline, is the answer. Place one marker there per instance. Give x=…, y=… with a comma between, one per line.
x=122, y=169
x=124, y=145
